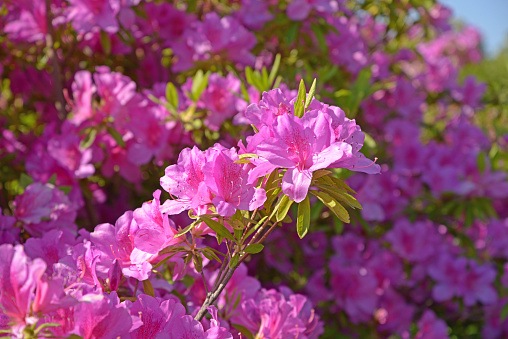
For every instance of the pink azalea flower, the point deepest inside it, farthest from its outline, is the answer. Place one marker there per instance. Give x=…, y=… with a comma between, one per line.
x=66, y=151
x=297, y=147
x=272, y=105
x=394, y=314
x=431, y=327
x=270, y=314
x=300, y=9
x=88, y=14
x=8, y=233
x=156, y=230
x=82, y=92
x=167, y=21
x=157, y=316
x=18, y=278
x=117, y=242
x=26, y=20
x=253, y=14
x=214, y=36
x=413, y=242
x=51, y=247
x=227, y=180
x=355, y=291
x=221, y=99
x=43, y=207
x=185, y=181
x=105, y=318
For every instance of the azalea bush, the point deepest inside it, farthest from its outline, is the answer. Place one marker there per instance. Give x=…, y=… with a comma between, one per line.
x=250, y=169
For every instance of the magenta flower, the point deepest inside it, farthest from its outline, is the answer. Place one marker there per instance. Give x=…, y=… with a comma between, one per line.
x=350, y=134
x=253, y=14
x=43, y=207
x=227, y=180
x=214, y=36
x=18, y=278
x=355, y=291
x=82, y=92
x=302, y=146
x=463, y=278
x=300, y=9
x=8, y=233
x=51, y=247
x=157, y=316
x=185, y=181
x=271, y=314
x=50, y=296
x=221, y=99
x=431, y=326
x=416, y=242
x=87, y=14
x=26, y=20
x=66, y=151
x=105, y=318
x=272, y=105
x=156, y=230
x=117, y=242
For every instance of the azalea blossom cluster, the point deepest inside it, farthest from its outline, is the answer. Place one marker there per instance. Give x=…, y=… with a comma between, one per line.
x=64, y=277
x=103, y=102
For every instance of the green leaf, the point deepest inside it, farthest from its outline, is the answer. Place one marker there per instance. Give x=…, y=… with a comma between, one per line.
x=320, y=36
x=480, y=160
x=341, y=195
x=238, y=233
x=504, y=312
x=46, y=325
x=187, y=229
x=283, y=207
x=210, y=255
x=65, y=189
x=25, y=180
x=218, y=228
x=320, y=173
x=198, y=262
x=271, y=198
x=105, y=42
x=274, y=70
x=303, y=218
x=312, y=91
x=172, y=95
x=249, y=75
x=254, y=248
x=234, y=261
x=199, y=83
x=248, y=155
x=253, y=229
x=291, y=33
x=74, y=336
x=89, y=139
x=264, y=79
x=339, y=183
x=148, y=288
x=333, y=205
x=339, y=226
x=243, y=161
x=52, y=180
x=116, y=135
x=300, y=99
x=369, y=141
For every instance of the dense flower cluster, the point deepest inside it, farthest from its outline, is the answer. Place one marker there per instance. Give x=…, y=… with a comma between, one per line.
x=102, y=101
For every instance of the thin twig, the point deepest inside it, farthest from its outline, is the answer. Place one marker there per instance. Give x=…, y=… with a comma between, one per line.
x=214, y=295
